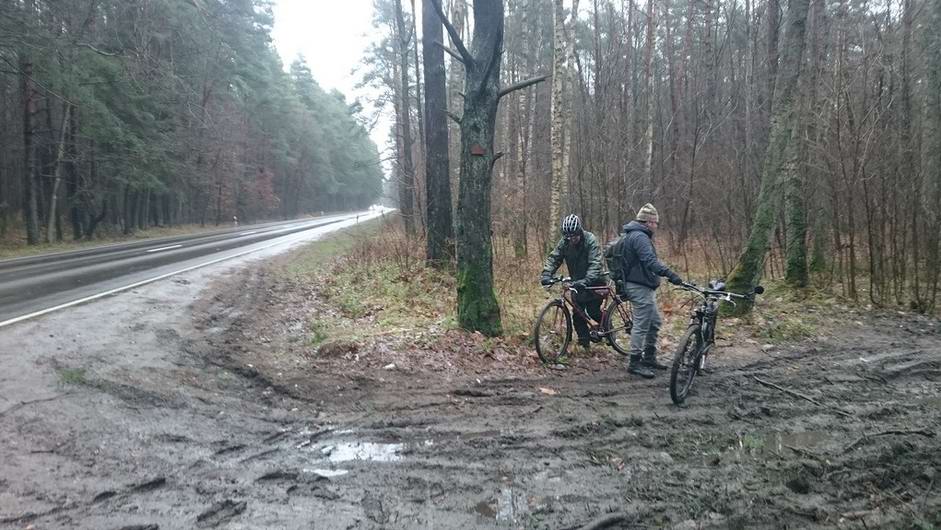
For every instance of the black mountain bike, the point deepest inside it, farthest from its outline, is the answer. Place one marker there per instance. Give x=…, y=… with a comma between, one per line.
x=700, y=336
x=553, y=331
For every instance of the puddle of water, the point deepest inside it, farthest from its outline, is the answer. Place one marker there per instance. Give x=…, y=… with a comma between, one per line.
x=327, y=473
x=505, y=507
x=486, y=509
x=373, y=452
x=367, y=451
x=779, y=443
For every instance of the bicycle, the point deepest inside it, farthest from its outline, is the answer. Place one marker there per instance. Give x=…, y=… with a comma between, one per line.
x=690, y=357
x=553, y=331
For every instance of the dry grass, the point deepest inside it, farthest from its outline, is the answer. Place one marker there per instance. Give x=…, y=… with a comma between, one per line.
x=376, y=293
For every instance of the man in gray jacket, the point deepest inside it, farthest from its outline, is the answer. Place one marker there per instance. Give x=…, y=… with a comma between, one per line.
x=640, y=276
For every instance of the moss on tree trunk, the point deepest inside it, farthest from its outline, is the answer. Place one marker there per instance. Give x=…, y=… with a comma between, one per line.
x=779, y=158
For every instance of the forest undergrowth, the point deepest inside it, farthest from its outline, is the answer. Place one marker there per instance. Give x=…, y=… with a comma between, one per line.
x=374, y=292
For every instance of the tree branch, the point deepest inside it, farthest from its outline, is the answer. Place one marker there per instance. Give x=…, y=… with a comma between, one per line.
x=467, y=58
x=96, y=50
x=801, y=396
x=496, y=157
x=494, y=59
x=523, y=84
x=453, y=117
x=450, y=52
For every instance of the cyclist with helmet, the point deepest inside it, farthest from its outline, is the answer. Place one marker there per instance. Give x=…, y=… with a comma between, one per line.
x=581, y=253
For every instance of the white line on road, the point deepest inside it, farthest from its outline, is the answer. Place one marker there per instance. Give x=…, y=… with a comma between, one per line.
x=145, y=282
x=250, y=232
x=161, y=249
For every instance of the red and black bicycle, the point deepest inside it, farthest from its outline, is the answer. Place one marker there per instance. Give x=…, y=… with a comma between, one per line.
x=553, y=331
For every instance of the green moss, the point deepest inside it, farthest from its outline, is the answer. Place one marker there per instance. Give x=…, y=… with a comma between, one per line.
x=72, y=376
x=477, y=308
x=317, y=333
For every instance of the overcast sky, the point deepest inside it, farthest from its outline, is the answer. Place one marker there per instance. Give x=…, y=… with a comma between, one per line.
x=332, y=35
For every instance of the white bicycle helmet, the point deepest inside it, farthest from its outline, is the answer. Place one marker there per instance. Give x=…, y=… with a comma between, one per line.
x=571, y=225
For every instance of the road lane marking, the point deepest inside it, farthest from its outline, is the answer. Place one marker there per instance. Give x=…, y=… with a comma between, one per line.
x=249, y=233
x=151, y=280
x=161, y=249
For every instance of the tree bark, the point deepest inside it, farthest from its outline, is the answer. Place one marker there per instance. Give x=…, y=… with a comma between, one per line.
x=560, y=61
x=458, y=14
x=57, y=173
x=477, y=305
x=780, y=157
x=407, y=183
x=932, y=151
x=477, y=308
x=649, y=97
x=440, y=238
x=30, y=185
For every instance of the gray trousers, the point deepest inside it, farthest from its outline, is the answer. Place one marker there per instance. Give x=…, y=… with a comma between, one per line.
x=646, y=318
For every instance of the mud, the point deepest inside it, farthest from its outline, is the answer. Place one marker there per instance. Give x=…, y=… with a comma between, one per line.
x=137, y=412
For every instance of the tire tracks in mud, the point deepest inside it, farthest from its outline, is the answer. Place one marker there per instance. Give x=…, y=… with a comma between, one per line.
x=478, y=451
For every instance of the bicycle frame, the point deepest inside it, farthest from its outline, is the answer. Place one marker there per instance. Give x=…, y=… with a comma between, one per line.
x=707, y=313
x=606, y=292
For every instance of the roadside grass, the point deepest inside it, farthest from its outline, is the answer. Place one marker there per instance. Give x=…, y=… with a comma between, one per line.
x=14, y=244
x=309, y=259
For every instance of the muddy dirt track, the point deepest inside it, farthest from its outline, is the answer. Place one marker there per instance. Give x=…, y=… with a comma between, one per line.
x=134, y=413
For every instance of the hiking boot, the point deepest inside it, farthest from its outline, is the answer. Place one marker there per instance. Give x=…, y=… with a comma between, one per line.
x=585, y=345
x=650, y=360
x=637, y=367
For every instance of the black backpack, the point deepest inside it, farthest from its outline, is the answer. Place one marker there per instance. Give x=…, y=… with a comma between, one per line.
x=613, y=258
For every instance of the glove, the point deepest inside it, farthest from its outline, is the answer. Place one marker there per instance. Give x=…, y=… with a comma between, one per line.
x=546, y=281
x=579, y=285
x=676, y=280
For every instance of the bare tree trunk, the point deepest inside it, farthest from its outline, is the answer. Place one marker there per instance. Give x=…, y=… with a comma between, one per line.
x=477, y=308
x=780, y=156
x=76, y=207
x=569, y=89
x=561, y=54
x=437, y=175
x=407, y=184
x=649, y=97
x=30, y=184
x=57, y=173
x=932, y=150
x=458, y=13
x=477, y=305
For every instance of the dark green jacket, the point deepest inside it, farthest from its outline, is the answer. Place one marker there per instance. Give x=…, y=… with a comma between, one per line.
x=582, y=260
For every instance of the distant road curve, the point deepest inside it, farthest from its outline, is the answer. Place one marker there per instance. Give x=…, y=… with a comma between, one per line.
x=35, y=285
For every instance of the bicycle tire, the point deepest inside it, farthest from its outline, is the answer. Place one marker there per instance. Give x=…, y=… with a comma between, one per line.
x=685, y=364
x=548, y=353
x=621, y=310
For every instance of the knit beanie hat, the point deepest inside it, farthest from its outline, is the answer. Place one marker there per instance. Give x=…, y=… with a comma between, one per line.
x=648, y=213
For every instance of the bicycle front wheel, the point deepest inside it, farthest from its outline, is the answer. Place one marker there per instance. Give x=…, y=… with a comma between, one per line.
x=685, y=364
x=617, y=325
x=553, y=332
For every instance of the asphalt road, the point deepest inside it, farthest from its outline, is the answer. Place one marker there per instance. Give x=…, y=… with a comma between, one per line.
x=41, y=283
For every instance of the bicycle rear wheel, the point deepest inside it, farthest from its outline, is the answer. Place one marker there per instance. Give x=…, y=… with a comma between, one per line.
x=617, y=325
x=685, y=364
x=553, y=332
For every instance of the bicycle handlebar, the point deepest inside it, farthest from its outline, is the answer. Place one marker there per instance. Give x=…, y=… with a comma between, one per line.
x=726, y=296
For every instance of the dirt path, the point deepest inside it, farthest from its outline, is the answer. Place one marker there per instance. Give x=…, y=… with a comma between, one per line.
x=130, y=412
